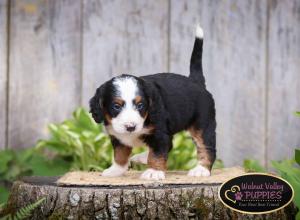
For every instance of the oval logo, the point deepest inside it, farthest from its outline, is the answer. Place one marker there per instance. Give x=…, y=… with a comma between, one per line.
x=256, y=193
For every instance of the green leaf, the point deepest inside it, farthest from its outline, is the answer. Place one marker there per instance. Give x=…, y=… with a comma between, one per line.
x=53, y=129
x=177, y=140
x=288, y=167
x=100, y=136
x=81, y=139
x=57, y=146
x=85, y=120
x=290, y=172
x=6, y=156
x=297, y=114
x=297, y=156
x=190, y=164
x=4, y=193
x=40, y=166
x=218, y=164
x=253, y=165
x=92, y=167
x=25, y=212
x=17, y=167
x=24, y=155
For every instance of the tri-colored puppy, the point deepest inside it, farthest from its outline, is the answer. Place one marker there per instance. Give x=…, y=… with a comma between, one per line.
x=149, y=110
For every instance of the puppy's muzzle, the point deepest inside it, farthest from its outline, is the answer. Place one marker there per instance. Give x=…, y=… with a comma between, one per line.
x=130, y=127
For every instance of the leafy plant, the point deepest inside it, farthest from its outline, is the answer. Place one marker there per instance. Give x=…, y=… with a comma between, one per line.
x=1, y=207
x=4, y=192
x=17, y=163
x=13, y=164
x=80, y=140
x=290, y=170
x=183, y=156
x=24, y=212
x=287, y=169
x=297, y=156
x=30, y=161
x=218, y=164
x=252, y=165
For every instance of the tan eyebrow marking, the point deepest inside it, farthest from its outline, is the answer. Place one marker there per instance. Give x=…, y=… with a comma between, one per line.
x=137, y=99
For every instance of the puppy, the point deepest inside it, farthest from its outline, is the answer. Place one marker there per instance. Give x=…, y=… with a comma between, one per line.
x=149, y=110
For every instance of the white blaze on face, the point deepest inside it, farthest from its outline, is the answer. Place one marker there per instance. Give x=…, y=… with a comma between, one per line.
x=129, y=116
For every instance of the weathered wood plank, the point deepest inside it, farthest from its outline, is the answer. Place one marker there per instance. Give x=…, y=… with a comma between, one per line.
x=3, y=70
x=234, y=66
x=123, y=37
x=44, y=67
x=284, y=75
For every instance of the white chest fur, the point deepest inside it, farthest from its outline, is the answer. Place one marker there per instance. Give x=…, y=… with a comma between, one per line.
x=128, y=139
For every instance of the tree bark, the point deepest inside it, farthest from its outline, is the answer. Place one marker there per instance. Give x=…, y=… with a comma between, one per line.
x=153, y=201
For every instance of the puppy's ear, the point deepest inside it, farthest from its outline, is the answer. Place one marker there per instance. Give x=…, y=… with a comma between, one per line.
x=96, y=104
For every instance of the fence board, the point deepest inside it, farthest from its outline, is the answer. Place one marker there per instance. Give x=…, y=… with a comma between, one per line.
x=234, y=66
x=284, y=74
x=3, y=71
x=123, y=37
x=44, y=67
x=51, y=42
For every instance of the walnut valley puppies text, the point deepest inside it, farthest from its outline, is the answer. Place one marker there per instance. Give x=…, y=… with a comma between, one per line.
x=263, y=191
x=256, y=193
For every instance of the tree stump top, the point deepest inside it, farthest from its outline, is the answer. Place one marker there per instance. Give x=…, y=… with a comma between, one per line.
x=131, y=178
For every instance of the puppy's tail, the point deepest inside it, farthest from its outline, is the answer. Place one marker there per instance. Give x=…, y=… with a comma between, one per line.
x=196, y=72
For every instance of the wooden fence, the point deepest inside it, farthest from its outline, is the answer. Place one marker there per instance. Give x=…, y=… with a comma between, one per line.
x=54, y=53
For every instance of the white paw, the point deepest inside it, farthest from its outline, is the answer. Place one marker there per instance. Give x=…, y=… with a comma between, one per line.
x=115, y=170
x=140, y=158
x=199, y=171
x=151, y=174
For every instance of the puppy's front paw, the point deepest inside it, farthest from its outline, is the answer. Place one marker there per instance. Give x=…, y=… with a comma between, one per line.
x=199, y=171
x=151, y=174
x=114, y=170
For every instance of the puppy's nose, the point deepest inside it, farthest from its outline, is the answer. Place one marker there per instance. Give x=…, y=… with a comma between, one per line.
x=130, y=127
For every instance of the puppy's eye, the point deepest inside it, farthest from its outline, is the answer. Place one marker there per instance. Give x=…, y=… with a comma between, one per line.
x=140, y=106
x=116, y=106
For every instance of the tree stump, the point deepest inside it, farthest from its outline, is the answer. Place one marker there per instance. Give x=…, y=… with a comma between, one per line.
x=130, y=198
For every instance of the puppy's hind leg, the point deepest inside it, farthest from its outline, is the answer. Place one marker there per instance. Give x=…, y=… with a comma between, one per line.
x=157, y=166
x=159, y=146
x=205, y=140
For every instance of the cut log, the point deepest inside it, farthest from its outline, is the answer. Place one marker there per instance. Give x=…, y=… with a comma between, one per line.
x=72, y=199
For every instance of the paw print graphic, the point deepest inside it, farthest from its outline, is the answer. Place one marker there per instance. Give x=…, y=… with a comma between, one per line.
x=238, y=196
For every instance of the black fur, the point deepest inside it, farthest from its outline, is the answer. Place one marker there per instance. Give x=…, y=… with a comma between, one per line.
x=96, y=104
x=178, y=104
x=196, y=71
x=174, y=103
